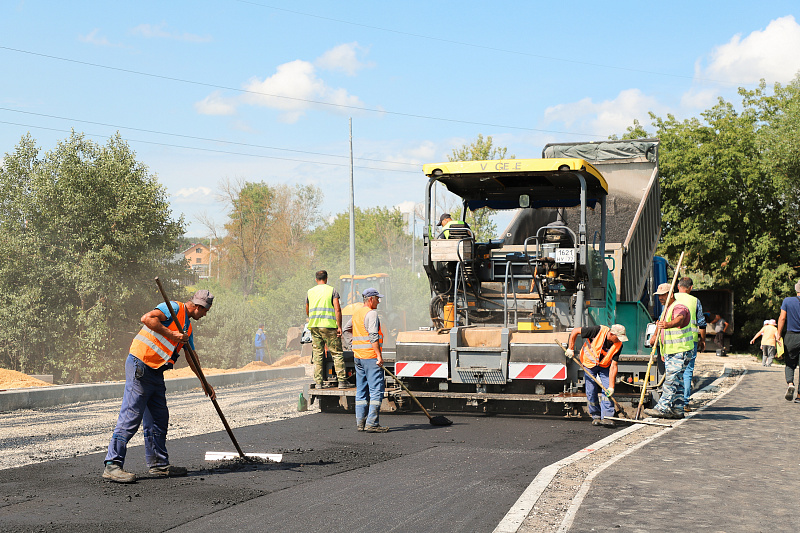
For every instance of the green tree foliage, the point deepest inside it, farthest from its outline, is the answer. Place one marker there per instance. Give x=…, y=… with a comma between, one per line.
x=729, y=183
x=480, y=220
x=266, y=230
x=84, y=229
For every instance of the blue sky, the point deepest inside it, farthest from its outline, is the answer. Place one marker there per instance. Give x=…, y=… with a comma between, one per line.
x=262, y=90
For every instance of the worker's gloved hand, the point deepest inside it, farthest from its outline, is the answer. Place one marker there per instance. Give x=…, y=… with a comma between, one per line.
x=609, y=391
x=570, y=352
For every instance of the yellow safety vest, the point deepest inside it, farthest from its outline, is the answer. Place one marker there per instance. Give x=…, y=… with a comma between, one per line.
x=362, y=347
x=676, y=340
x=691, y=302
x=321, y=313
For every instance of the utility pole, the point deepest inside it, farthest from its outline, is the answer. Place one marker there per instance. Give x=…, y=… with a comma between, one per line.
x=352, y=223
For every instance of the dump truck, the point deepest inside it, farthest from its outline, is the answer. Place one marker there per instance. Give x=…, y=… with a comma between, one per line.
x=578, y=252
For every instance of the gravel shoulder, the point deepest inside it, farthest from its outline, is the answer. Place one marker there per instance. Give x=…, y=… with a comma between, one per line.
x=36, y=435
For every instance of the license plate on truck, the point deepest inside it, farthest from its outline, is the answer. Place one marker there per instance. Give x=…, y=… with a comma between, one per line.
x=565, y=255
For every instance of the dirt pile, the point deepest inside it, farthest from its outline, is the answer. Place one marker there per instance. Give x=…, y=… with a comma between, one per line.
x=11, y=379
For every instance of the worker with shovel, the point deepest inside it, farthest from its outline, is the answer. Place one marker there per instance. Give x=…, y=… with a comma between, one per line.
x=599, y=356
x=154, y=349
x=365, y=326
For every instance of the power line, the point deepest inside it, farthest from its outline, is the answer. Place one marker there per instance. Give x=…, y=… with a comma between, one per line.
x=416, y=165
x=227, y=152
x=305, y=100
x=483, y=47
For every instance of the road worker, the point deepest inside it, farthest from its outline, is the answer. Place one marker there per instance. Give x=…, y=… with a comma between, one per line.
x=154, y=349
x=675, y=344
x=599, y=355
x=325, y=324
x=365, y=325
x=447, y=223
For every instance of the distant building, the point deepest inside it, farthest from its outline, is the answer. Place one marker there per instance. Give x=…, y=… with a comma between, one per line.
x=199, y=258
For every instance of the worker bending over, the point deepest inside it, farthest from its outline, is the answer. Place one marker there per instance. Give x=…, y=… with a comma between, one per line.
x=154, y=349
x=599, y=355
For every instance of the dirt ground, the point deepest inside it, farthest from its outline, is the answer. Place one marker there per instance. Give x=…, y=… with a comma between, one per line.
x=11, y=379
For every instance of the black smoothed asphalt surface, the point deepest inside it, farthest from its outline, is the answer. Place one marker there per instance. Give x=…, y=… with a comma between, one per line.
x=417, y=477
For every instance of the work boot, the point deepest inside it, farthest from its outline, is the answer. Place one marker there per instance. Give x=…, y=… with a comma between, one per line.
x=168, y=471
x=326, y=385
x=674, y=414
x=596, y=422
x=376, y=429
x=608, y=423
x=115, y=473
x=343, y=385
x=789, y=393
x=359, y=427
x=655, y=413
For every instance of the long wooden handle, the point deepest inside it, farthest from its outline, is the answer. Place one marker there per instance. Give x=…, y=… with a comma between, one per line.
x=190, y=353
x=406, y=389
x=655, y=339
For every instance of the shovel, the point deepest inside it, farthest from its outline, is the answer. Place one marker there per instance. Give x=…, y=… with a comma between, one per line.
x=195, y=362
x=434, y=420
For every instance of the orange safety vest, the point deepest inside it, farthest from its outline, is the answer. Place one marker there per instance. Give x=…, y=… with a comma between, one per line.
x=154, y=349
x=362, y=348
x=588, y=355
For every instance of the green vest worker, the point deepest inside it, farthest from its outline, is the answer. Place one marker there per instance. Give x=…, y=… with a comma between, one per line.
x=447, y=222
x=676, y=345
x=325, y=324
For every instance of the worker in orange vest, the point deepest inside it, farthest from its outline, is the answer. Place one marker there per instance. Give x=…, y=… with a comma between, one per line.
x=365, y=325
x=154, y=349
x=599, y=355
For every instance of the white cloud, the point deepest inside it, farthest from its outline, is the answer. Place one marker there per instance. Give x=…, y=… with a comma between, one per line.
x=194, y=195
x=343, y=58
x=94, y=37
x=770, y=54
x=291, y=90
x=606, y=117
x=215, y=104
x=149, y=31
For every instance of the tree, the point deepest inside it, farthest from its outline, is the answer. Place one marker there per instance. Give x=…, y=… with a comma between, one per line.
x=85, y=228
x=729, y=183
x=266, y=229
x=480, y=220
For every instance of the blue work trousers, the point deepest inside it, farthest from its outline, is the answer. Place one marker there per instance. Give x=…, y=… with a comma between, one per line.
x=672, y=397
x=370, y=384
x=144, y=400
x=259, y=354
x=600, y=406
x=688, y=374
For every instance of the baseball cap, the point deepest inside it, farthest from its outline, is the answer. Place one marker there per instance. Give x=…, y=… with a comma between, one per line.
x=447, y=215
x=203, y=298
x=619, y=331
x=663, y=289
x=368, y=293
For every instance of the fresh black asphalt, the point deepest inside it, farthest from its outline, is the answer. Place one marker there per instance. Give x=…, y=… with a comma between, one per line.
x=417, y=477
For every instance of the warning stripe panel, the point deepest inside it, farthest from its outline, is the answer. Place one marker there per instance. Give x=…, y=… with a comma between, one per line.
x=420, y=369
x=537, y=371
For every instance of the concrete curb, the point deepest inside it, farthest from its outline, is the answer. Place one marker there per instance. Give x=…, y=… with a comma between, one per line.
x=34, y=398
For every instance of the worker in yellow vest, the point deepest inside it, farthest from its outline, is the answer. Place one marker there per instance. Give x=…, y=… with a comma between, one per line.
x=325, y=324
x=154, y=349
x=365, y=325
x=676, y=345
x=599, y=355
